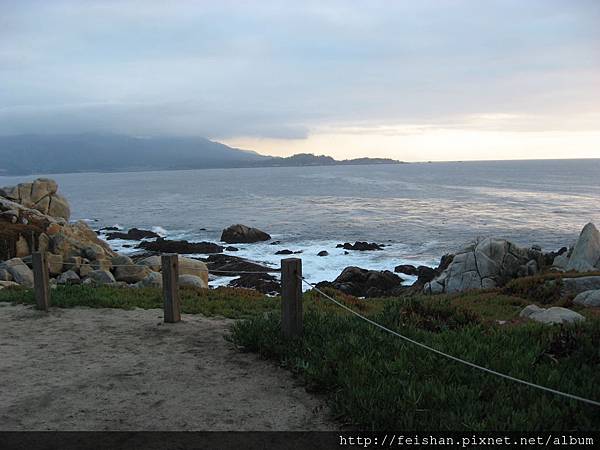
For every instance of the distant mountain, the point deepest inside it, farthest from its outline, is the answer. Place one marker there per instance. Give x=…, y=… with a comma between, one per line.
x=36, y=154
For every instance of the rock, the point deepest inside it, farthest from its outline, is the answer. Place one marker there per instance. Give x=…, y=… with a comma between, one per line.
x=22, y=248
x=102, y=277
x=133, y=234
x=561, y=261
x=360, y=246
x=366, y=283
x=180, y=247
x=152, y=280
x=287, y=252
x=235, y=265
x=406, y=269
x=265, y=283
x=153, y=262
x=5, y=275
x=242, y=234
x=55, y=264
x=102, y=264
x=192, y=281
x=19, y=271
x=41, y=195
x=73, y=263
x=531, y=268
x=131, y=273
x=188, y=266
x=425, y=274
x=68, y=277
x=586, y=253
x=578, y=285
x=108, y=229
x=77, y=240
x=59, y=207
x=8, y=284
x=484, y=264
x=121, y=260
x=590, y=299
x=232, y=249
x=85, y=269
x=554, y=315
x=323, y=253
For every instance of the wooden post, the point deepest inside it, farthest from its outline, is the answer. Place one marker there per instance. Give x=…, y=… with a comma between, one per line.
x=170, y=273
x=291, y=297
x=40, y=281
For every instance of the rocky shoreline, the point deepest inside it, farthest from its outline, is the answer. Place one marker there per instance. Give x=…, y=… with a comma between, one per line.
x=35, y=217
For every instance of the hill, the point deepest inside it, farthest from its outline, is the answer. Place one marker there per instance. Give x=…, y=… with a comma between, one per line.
x=37, y=154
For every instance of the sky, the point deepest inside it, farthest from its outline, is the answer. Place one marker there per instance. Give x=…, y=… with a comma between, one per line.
x=414, y=81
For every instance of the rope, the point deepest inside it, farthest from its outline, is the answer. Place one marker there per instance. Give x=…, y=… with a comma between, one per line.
x=238, y=272
x=446, y=355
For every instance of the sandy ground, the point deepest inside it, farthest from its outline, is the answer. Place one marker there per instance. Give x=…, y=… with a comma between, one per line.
x=109, y=369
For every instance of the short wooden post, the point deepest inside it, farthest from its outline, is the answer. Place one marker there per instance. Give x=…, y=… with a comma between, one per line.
x=40, y=281
x=291, y=297
x=170, y=273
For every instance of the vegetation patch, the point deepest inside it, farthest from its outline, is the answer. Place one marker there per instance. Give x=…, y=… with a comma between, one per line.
x=375, y=380
x=225, y=302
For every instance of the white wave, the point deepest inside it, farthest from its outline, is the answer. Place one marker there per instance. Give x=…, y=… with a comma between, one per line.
x=160, y=231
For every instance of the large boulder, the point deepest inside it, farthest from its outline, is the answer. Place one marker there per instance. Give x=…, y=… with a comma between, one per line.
x=570, y=286
x=192, y=281
x=78, y=240
x=590, y=299
x=55, y=263
x=242, y=234
x=68, y=277
x=101, y=277
x=366, y=283
x=484, y=264
x=188, y=266
x=19, y=271
x=132, y=273
x=554, y=315
x=41, y=195
x=586, y=253
x=152, y=280
x=153, y=262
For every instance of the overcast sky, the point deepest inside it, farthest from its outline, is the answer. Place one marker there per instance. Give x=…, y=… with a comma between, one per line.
x=427, y=80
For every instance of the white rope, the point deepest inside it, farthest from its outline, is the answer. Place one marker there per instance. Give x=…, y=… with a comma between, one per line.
x=446, y=355
x=111, y=266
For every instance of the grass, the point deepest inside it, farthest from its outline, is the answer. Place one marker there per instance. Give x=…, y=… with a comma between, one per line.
x=225, y=302
x=376, y=381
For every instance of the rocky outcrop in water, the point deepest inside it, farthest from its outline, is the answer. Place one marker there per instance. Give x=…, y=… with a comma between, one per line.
x=366, y=283
x=242, y=234
x=135, y=234
x=162, y=245
x=360, y=246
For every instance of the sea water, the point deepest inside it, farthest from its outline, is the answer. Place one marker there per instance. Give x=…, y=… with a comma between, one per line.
x=419, y=211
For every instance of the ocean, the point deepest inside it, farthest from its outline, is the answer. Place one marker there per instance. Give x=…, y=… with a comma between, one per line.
x=419, y=211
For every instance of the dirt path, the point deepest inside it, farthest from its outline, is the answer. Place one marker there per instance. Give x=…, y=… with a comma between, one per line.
x=109, y=369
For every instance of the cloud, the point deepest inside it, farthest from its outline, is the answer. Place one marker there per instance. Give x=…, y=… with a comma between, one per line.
x=284, y=69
